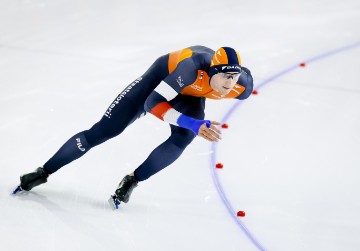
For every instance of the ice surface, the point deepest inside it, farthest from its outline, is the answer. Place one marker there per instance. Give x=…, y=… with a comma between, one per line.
x=290, y=155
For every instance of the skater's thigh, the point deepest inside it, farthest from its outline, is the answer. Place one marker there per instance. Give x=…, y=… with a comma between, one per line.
x=181, y=137
x=189, y=105
x=121, y=114
x=128, y=105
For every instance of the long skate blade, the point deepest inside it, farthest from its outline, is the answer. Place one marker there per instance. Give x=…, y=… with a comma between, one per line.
x=114, y=202
x=17, y=190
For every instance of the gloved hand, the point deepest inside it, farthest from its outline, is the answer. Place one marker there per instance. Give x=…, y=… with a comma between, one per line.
x=203, y=128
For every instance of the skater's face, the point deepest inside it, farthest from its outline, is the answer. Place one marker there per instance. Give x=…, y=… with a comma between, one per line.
x=223, y=83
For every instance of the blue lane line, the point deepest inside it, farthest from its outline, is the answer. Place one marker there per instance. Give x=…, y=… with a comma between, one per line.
x=226, y=202
x=214, y=175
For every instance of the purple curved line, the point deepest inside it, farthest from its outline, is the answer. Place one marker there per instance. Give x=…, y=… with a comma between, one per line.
x=227, y=203
x=215, y=177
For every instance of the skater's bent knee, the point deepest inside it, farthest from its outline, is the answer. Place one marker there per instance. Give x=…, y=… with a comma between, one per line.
x=182, y=140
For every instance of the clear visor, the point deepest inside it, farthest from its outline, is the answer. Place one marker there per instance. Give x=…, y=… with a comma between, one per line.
x=230, y=75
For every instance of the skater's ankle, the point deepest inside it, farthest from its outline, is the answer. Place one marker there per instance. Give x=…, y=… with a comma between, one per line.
x=133, y=175
x=46, y=171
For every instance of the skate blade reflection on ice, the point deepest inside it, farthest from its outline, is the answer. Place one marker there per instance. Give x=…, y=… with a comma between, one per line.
x=17, y=190
x=114, y=202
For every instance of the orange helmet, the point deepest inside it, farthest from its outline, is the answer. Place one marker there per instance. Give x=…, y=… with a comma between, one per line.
x=225, y=59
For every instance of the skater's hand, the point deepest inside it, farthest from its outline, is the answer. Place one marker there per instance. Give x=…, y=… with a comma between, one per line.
x=212, y=133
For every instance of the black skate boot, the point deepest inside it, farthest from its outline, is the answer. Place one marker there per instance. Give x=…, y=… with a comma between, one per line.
x=31, y=180
x=123, y=191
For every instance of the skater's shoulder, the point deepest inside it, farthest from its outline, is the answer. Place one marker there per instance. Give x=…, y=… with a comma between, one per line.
x=202, y=52
x=202, y=49
x=201, y=56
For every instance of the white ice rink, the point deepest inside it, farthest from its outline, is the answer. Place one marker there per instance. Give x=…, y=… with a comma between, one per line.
x=290, y=154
